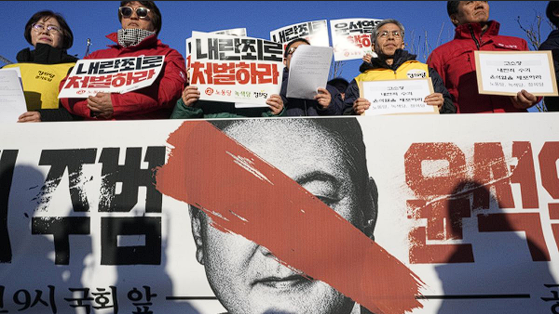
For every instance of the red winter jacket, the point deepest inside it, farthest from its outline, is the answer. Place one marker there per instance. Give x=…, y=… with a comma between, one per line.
x=153, y=102
x=455, y=63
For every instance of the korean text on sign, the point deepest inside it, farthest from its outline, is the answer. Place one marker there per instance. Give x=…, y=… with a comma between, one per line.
x=118, y=75
x=225, y=67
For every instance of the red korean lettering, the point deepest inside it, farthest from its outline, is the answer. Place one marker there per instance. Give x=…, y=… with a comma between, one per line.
x=201, y=73
x=139, y=76
x=550, y=180
x=224, y=73
x=444, y=216
x=118, y=80
x=264, y=73
x=103, y=81
x=75, y=81
x=243, y=73
x=490, y=169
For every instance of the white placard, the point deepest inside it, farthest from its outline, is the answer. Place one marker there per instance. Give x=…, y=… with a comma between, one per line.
x=308, y=71
x=351, y=38
x=114, y=75
x=12, y=99
x=316, y=32
x=235, y=69
x=398, y=96
x=507, y=73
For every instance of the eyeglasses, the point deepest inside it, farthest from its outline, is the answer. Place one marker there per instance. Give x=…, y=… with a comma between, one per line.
x=385, y=34
x=38, y=27
x=127, y=12
x=291, y=50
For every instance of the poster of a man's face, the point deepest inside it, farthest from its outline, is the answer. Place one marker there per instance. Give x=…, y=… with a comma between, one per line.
x=327, y=158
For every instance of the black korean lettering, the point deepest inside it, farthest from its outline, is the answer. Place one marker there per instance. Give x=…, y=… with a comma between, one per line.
x=212, y=52
x=61, y=228
x=60, y=160
x=7, y=165
x=148, y=254
x=131, y=176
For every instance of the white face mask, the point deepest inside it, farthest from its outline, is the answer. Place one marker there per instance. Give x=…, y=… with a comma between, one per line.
x=132, y=37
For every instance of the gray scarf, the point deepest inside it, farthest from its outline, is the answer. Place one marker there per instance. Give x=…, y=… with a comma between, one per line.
x=132, y=37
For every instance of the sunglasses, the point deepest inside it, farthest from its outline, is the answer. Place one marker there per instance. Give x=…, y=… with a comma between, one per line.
x=141, y=12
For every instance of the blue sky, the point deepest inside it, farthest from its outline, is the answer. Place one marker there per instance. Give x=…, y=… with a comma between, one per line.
x=96, y=19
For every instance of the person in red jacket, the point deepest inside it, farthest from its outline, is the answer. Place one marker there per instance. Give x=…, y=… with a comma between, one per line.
x=455, y=62
x=141, y=23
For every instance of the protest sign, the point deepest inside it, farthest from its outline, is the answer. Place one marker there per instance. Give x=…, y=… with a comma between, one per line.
x=235, y=69
x=508, y=72
x=116, y=75
x=398, y=96
x=316, y=32
x=351, y=38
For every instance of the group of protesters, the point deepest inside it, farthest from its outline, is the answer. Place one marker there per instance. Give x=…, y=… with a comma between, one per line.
x=450, y=67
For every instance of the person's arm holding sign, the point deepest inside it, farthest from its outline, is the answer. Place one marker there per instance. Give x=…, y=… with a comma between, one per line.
x=276, y=104
x=524, y=100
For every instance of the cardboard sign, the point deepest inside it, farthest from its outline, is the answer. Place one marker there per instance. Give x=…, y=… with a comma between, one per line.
x=117, y=75
x=397, y=96
x=507, y=73
x=351, y=38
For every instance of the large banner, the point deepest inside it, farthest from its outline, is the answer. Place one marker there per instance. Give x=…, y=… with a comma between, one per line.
x=382, y=214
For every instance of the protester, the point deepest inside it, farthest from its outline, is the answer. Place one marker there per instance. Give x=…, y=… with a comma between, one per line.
x=141, y=23
x=455, y=61
x=340, y=84
x=392, y=62
x=327, y=102
x=43, y=68
x=326, y=157
x=552, y=43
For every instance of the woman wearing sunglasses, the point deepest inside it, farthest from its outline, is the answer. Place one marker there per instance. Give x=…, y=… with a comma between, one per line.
x=141, y=23
x=45, y=66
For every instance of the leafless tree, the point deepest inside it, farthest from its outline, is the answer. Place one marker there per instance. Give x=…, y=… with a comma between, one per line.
x=533, y=32
x=336, y=69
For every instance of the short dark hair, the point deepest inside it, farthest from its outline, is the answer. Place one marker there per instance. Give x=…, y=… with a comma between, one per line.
x=452, y=7
x=292, y=42
x=339, y=83
x=156, y=20
x=67, y=35
x=552, y=6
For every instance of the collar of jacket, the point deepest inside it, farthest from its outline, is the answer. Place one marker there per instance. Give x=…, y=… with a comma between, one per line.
x=400, y=56
x=149, y=41
x=44, y=54
x=463, y=31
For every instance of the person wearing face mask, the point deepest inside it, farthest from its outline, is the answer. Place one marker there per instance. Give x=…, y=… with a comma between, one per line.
x=393, y=62
x=141, y=24
x=45, y=66
x=455, y=60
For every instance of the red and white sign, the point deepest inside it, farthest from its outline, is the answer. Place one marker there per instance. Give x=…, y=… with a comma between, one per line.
x=351, y=38
x=118, y=75
x=235, y=69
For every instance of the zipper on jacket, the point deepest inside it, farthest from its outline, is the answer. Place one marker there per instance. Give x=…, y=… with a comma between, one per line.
x=474, y=36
